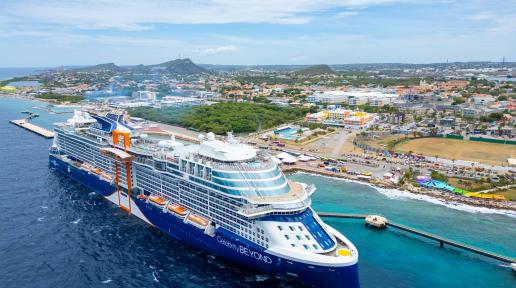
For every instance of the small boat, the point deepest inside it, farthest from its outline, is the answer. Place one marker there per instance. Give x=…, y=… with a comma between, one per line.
x=142, y=197
x=178, y=209
x=86, y=166
x=157, y=199
x=96, y=170
x=198, y=220
x=106, y=176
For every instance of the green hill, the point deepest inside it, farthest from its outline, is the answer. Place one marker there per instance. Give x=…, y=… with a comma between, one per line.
x=181, y=66
x=315, y=70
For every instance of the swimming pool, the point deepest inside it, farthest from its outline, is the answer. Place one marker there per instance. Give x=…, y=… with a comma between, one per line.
x=288, y=133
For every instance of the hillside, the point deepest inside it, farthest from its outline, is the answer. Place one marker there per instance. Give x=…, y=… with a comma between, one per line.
x=315, y=70
x=220, y=118
x=178, y=66
x=99, y=67
x=181, y=66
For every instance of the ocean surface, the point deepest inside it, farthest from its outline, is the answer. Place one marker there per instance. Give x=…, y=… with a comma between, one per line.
x=6, y=73
x=56, y=233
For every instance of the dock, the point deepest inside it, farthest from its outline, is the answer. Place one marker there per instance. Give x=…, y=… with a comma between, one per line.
x=33, y=128
x=442, y=241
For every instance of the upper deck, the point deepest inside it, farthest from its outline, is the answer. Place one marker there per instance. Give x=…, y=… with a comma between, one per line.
x=230, y=167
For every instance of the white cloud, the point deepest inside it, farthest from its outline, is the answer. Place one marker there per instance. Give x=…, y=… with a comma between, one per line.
x=141, y=14
x=216, y=50
x=346, y=14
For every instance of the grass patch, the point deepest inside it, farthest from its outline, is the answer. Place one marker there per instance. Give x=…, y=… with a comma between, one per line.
x=60, y=98
x=509, y=194
x=469, y=185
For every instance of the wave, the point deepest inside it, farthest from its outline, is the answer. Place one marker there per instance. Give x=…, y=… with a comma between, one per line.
x=395, y=194
x=404, y=195
x=154, y=273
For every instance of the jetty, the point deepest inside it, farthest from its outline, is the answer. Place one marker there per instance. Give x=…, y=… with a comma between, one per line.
x=442, y=241
x=24, y=123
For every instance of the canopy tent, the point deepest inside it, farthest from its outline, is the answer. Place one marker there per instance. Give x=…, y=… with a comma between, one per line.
x=286, y=158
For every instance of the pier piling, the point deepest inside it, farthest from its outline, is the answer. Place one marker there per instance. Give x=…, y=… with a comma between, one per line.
x=424, y=234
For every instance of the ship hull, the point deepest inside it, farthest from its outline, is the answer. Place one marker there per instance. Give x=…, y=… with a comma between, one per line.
x=222, y=243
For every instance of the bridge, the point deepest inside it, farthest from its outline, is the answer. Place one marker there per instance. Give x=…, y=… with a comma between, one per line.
x=442, y=241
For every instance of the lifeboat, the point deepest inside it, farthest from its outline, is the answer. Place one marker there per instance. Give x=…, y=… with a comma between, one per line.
x=141, y=197
x=96, y=170
x=107, y=176
x=157, y=199
x=198, y=220
x=178, y=209
x=86, y=166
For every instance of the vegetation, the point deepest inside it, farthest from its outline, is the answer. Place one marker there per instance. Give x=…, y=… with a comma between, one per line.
x=458, y=100
x=315, y=70
x=378, y=109
x=261, y=99
x=61, y=98
x=438, y=176
x=223, y=117
x=497, y=116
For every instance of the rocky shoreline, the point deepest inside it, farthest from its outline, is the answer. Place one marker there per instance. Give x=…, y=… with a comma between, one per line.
x=441, y=195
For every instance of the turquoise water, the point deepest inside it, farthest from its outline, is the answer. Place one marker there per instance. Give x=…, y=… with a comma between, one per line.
x=392, y=258
x=45, y=120
x=58, y=237
x=289, y=133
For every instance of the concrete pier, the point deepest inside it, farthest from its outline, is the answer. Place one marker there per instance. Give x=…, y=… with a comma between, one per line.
x=439, y=239
x=33, y=128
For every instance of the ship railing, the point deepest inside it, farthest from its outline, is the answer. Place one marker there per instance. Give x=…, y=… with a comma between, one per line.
x=255, y=211
x=259, y=164
x=251, y=210
x=310, y=189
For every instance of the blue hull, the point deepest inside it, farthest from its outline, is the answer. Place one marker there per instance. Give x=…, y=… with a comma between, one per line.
x=224, y=244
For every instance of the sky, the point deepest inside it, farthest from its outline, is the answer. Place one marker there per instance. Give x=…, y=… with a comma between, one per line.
x=45, y=33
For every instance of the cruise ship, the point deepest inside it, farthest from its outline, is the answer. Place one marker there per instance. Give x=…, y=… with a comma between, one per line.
x=224, y=197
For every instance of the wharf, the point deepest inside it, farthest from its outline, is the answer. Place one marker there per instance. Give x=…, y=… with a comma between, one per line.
x=33, y=128
x=424, y=234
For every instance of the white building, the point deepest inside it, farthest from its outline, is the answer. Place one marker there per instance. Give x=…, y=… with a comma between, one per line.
x=356, y=97
x=144, y=95
x=179, y=101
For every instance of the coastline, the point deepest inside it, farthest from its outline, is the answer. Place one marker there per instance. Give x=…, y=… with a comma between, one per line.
x=409, y=191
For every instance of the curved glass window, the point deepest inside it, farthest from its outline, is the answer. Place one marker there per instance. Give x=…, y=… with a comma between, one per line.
x=247, y=175
x=253, y=192
x=259, y=184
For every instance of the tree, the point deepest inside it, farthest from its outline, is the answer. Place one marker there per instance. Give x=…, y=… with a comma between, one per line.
x=438, y=176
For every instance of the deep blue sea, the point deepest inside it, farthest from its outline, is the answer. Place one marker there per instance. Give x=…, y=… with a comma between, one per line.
x=56, y=233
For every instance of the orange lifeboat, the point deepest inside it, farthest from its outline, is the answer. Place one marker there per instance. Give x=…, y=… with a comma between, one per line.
x=141, y=197
x=178, y=209
x=86, y=166
x=96, y=170
x=107, y=176
x=157, y=199
x=196, y=219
